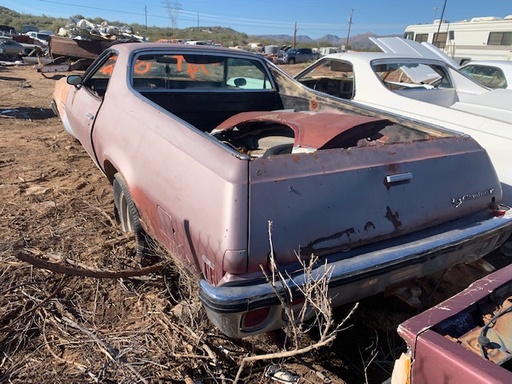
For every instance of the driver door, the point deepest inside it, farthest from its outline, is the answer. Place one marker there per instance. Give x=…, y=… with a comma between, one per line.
x=84, y=100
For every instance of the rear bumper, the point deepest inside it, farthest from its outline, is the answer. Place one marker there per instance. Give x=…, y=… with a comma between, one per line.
x=362, y=271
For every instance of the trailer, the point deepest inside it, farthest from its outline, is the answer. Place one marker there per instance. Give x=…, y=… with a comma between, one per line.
x=479, y=38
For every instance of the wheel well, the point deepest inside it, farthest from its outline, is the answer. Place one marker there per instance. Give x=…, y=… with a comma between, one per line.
x=110, y=171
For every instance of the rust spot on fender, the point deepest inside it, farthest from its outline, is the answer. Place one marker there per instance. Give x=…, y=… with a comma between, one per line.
x=393, y=218
x=313, y=105
x=327, y=242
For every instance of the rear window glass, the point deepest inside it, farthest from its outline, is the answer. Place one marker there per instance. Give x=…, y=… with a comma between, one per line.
x=400, y=76
x=199, y=71
x=489, y=76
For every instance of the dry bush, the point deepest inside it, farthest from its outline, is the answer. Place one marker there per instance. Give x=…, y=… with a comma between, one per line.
x=74, y=312
x=71, y=311
x=316, y=300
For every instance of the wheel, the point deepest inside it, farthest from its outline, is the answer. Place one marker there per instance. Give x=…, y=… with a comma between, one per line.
x=127, y=215
x=291, y=61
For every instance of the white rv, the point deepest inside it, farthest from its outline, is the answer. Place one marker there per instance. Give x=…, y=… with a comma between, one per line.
x=479, y=38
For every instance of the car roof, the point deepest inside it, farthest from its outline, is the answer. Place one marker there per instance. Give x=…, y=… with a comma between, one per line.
x=370, y=56
x=133, y=47
x=494, y=63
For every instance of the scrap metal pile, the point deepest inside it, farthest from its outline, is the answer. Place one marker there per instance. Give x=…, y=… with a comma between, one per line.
x=86, y=30
x=79, y=42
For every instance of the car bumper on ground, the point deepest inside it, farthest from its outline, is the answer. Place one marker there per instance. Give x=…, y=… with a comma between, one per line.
x=251, y=306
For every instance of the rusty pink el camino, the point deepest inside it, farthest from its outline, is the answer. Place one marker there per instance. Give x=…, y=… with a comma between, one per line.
x=205, y=146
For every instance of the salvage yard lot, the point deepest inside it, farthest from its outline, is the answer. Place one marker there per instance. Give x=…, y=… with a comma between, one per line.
x=115, y=327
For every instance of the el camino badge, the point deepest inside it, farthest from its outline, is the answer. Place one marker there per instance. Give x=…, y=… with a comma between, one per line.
x=457, y=201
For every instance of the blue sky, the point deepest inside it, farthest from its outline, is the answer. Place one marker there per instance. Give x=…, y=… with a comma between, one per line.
x=313, y=18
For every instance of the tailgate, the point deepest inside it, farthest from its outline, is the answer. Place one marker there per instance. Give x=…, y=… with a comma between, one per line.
x=339, y=199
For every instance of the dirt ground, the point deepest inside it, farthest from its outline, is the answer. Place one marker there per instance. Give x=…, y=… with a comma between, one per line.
x=112, y=326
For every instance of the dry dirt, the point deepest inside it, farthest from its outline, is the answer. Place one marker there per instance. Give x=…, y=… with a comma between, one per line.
x=55, y=327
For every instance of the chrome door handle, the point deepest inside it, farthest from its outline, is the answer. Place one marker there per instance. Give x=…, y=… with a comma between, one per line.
x=398, y=178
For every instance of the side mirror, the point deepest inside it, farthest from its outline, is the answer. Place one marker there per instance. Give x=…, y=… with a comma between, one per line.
x=74, y=80
x=240, y=82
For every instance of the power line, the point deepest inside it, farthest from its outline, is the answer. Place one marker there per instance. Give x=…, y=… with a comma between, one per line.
x=205, y=17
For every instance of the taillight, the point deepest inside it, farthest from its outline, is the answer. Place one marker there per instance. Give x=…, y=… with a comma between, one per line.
x=255, y=318
x=499, y=212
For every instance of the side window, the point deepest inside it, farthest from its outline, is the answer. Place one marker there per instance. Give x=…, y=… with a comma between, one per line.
x=500, y=38
x=421, y=37
x=409, y=35
x=440, y=39
x=97, y=82
x=247, y=74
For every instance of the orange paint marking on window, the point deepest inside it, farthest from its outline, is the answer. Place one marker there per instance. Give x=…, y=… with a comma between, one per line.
x=107, y=70
x=179, y=59
x=142, y=67
x=108, y=67
x=192, y=69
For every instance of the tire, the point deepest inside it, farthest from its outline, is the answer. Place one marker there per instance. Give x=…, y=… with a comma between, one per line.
x=128, y=217
x=291, y=61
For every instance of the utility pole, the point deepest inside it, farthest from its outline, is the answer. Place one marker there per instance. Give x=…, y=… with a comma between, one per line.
x=146, y=16
x=436, y=39
x=294, y=35
x=349, y=26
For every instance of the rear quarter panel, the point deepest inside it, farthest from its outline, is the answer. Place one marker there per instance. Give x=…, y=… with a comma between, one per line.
x=189, y=189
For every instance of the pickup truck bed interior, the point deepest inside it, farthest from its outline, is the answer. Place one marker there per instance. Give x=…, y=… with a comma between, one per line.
x=205, y=110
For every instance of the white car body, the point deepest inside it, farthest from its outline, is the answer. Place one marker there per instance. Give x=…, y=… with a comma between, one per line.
x=491, y=73
x=455, y=101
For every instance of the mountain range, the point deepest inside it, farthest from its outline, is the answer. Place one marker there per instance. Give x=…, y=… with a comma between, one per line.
x=357, y=42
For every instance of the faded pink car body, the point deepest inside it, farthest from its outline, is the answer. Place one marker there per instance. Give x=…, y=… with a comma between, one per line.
x=445, y=342
x=383, y=200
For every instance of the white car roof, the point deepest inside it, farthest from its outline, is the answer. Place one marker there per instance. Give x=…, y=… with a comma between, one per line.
x=494, y=63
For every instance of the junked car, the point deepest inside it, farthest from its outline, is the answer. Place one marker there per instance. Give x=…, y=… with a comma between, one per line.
x=208, y=149
x=11, y=49
x=414, y=81
x=465, y=339
x=296, y=55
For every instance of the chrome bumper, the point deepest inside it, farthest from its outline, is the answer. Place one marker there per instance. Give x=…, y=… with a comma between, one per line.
x=363, y=271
